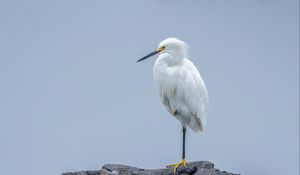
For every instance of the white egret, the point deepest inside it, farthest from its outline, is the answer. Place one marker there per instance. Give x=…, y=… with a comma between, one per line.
x=181, y=88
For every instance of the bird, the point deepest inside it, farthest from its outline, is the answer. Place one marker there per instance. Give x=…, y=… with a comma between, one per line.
x=181, y=88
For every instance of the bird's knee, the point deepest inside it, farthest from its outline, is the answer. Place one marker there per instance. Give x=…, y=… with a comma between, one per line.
x=176, y=112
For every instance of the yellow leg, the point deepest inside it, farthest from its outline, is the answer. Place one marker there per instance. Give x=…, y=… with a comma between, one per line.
x=177, y=165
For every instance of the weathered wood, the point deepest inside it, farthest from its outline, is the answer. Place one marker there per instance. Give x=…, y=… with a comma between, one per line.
x=194, y=168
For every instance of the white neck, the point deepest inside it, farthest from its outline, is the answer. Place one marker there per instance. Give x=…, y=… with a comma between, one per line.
x=171, y=58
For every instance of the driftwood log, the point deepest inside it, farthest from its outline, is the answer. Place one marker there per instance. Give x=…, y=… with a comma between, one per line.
x=194, y=168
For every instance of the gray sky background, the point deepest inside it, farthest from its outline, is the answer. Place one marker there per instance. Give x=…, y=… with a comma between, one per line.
x=72, y=96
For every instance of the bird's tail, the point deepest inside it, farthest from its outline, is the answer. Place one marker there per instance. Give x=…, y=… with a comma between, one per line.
x=196, y=124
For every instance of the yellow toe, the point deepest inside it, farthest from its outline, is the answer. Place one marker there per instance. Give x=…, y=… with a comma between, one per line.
x=184, y=162
x=177, y=165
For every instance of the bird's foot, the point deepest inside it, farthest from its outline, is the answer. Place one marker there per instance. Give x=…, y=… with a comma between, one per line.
x=177, y=165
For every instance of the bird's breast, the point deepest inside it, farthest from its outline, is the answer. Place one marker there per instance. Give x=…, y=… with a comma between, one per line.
x=166, y=77
x=167, y=80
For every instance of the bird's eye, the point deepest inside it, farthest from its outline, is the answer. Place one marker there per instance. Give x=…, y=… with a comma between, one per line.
x=162, y=48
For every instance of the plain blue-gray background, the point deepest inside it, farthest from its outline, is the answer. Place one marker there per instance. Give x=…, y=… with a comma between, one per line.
x=72, y=96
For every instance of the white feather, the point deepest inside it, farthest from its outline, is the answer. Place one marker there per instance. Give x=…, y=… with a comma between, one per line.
x=180, y=85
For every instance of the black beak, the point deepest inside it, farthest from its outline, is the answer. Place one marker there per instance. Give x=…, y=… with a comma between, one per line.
x=149, y=55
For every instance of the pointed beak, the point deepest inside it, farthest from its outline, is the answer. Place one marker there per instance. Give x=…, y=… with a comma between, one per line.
x=150, y=54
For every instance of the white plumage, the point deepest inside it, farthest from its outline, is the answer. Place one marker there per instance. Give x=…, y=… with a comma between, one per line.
x=181, y=88
x=180, y=85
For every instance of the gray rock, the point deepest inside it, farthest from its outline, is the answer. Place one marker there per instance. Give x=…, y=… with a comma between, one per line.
x=194, y=168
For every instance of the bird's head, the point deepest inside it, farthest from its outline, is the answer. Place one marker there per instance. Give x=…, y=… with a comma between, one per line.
x=171, y=46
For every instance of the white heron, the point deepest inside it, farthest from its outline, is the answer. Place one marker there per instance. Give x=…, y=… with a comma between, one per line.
x=181, y=88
